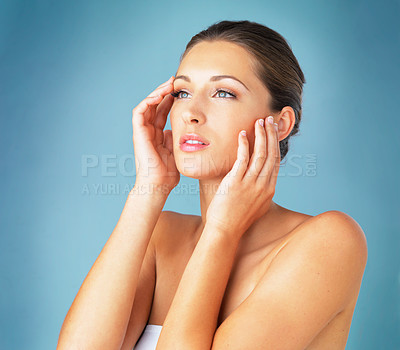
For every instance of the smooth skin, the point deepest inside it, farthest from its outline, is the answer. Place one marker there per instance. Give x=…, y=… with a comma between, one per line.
x=154, y=158
x=203, y=107
x=231, y=227
x=101, y=316
x=228, y=217
x=240, y=277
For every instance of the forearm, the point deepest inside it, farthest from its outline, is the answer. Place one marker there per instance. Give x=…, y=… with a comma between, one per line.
x=192, y=318
x=101, y=310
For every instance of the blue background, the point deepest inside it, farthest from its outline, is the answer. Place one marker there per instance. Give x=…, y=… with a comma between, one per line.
x=71, y=73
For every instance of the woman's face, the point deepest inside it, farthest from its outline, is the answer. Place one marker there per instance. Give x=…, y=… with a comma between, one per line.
x=214, y=107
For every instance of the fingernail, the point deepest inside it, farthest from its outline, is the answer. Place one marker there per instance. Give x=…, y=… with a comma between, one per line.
x=243, y=132
x=261, y=122
x=276, y=126
x=270, y=119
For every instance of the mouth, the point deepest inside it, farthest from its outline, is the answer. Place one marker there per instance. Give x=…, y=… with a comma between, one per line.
x=192, y=142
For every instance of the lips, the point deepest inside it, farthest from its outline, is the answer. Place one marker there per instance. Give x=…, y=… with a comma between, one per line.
x=193, y=136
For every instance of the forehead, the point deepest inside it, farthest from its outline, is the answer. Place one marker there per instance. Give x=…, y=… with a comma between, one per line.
x=217, y=56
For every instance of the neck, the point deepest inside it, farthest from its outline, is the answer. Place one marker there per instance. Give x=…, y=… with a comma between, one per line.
x=254, y=234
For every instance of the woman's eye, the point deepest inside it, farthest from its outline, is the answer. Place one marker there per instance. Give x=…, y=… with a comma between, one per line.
x=220, y=93
x=225, y=93
x=177, y=94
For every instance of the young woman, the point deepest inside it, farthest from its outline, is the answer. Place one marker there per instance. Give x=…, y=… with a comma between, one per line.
x=247, y=273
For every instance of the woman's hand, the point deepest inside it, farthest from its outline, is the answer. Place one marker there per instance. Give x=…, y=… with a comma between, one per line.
x=154, y=159
x=245, y=193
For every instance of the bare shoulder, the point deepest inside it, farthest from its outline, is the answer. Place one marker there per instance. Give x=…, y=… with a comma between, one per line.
x=335, y=240
x=326, y=254
x=310, y=287
x=337, y=228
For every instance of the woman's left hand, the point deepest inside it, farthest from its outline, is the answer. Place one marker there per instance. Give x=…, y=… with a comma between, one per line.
x=245, y=193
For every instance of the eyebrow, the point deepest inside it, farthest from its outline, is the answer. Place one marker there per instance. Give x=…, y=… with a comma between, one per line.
x=213, y=78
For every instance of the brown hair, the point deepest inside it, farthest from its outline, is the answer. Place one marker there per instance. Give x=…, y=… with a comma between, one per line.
x=275, y=64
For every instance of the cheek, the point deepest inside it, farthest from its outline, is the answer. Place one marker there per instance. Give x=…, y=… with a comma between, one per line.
x=247, y=124
x=228, y=139
x=172, y=113
x=173, y=120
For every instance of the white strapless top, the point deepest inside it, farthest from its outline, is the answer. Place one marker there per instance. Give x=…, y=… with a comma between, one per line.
x=148, y=339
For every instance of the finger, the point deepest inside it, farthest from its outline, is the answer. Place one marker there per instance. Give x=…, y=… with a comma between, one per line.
x=169, y=81
x=267, y=170
x=164, y=91
x=150, y=103
x=161, y=90
x=142, y=107
x=162, y=111
x=242, y=158
x=168, y=140
x=139, y=115
x=160, y=117
x=260, y=150
x=275, y=173
x=155, y=94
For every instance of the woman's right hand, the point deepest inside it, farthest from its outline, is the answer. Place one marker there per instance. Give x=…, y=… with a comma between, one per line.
x=154, y=158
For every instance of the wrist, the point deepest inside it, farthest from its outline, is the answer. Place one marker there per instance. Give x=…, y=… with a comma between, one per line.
x=144, y=197
x=151, y=190
x=140, y=213
x=231, y=235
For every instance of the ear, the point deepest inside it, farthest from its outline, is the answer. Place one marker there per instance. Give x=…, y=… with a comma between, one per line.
x=285, y=120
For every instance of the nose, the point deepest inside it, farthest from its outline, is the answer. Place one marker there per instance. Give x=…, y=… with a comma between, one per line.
x=191, y=120
x=193, y=115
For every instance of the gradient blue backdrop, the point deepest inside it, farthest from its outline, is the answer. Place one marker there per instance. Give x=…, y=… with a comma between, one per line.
x=71, y=72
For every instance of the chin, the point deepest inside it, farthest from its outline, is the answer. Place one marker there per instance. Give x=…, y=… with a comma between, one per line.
x=203, y=164
x=192, y=169
x=200, y=169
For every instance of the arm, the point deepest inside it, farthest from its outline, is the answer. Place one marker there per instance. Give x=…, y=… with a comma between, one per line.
x=192, y=318
x=313, y=279
x=100, y=313
x=193, y=315
x=307, y=284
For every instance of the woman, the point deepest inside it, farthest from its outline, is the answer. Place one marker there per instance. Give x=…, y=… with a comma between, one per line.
x=247, y=273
